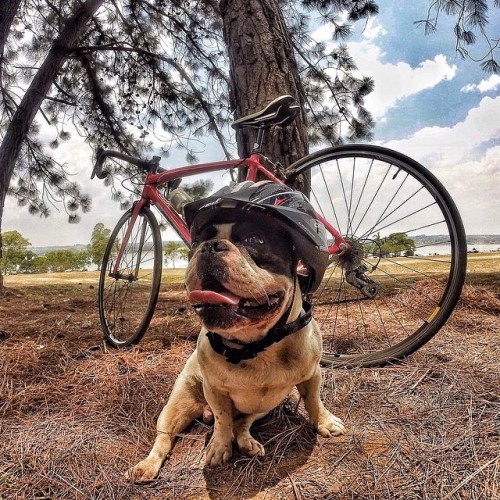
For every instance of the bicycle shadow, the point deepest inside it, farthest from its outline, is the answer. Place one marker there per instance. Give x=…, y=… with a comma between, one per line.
x=289, y=441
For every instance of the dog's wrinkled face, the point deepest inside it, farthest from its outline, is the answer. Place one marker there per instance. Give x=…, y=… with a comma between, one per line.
x=239, y=277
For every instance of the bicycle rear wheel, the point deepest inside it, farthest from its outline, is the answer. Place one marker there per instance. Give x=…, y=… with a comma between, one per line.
x=128, y=292
x=402, y=275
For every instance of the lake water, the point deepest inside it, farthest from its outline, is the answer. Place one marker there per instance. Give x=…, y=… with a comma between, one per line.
x=446, y=249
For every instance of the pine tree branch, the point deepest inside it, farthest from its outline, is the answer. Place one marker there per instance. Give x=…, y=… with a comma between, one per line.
x=325, y=80
x=99, y=100
x=188, y=33
x=174, y=64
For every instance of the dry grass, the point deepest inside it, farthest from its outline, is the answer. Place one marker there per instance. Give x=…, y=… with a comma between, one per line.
x=74, y=415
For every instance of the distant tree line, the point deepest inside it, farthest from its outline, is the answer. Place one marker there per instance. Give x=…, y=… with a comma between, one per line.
x=18, y=258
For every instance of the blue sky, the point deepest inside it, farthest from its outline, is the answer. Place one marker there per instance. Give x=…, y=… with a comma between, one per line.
x=428, y=103
x=396, y=41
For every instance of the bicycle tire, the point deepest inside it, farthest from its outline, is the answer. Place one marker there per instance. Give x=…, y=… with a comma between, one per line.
x=383, y=299
x=127, y=298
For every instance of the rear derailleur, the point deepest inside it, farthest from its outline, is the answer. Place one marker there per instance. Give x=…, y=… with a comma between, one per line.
x=358, y=279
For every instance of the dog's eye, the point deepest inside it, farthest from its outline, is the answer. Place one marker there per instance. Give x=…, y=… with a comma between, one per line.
x=253, y=239
x=194, y=244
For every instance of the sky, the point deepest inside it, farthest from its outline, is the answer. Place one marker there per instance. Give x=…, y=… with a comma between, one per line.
x=428, y=103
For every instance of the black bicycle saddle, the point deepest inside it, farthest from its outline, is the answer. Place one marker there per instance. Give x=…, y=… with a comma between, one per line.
x=281, y=111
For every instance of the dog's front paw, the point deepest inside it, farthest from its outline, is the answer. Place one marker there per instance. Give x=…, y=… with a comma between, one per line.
x=329, y=425
x=218, y=452
x=144, y=472
x=250, y=446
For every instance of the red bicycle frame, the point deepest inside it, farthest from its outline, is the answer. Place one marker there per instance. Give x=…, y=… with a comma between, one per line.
x=151, y=196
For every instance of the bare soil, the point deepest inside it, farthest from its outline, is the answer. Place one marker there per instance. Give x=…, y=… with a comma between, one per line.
x=74, y=414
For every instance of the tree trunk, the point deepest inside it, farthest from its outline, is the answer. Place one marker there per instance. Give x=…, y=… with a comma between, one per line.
x=263, y=67
x=19, y=126
x=8, y=10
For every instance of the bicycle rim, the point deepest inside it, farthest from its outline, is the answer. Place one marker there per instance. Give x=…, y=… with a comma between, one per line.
x=402, y=276
x=128, y=292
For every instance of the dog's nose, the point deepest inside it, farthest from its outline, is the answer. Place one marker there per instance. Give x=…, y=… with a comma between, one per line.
x=214, y=246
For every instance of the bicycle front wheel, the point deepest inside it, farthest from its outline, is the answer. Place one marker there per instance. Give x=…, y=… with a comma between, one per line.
x=403, y=272
x=129, y=287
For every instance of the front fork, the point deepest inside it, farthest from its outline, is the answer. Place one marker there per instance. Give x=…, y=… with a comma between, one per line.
x=115, y=271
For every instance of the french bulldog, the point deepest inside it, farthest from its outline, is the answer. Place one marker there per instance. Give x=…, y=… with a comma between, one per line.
x=256, y=344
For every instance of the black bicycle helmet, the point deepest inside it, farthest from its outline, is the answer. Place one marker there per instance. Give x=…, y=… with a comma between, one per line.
x=287, y=206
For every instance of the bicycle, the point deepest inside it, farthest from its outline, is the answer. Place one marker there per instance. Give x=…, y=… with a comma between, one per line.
x=386, y=291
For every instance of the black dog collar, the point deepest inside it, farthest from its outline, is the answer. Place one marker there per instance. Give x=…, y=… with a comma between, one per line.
x=235, y=355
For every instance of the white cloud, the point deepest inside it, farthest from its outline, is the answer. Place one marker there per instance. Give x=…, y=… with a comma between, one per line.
x=475, y=191
x=373, y=29
x=492, y=83
x=457, y=142
x=466, y=159
x=396, y=81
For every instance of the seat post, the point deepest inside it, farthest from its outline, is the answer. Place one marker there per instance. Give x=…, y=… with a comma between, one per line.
x=257, y=146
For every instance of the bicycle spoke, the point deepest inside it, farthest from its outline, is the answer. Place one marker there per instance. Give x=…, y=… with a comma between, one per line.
x=372, y=200
x=360, y=197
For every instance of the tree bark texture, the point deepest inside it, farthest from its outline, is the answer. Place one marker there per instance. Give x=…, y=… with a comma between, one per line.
x=19, y=126
x=263, y=67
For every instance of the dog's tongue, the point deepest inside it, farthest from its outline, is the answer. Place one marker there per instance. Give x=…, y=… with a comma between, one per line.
x=211, y=297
